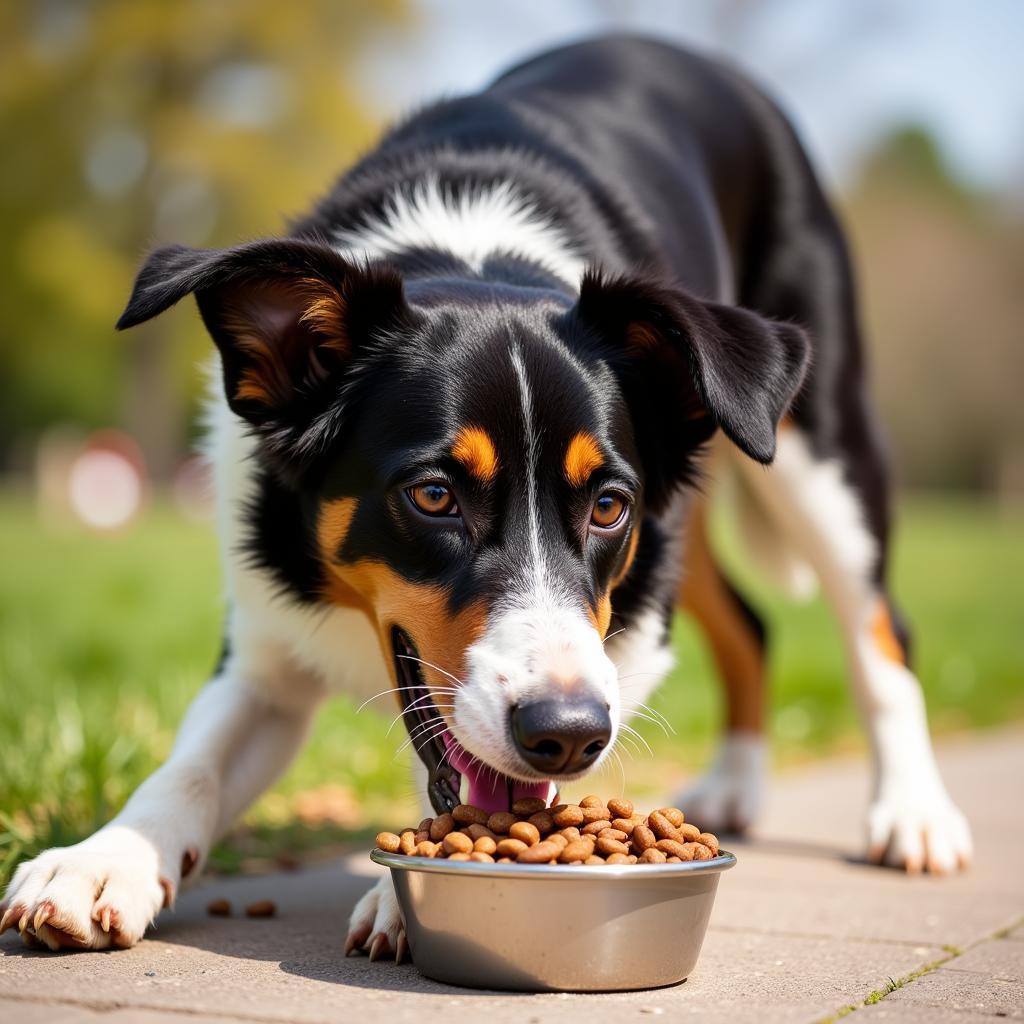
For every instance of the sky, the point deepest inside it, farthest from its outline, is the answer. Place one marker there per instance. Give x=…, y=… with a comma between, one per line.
x=847, y=71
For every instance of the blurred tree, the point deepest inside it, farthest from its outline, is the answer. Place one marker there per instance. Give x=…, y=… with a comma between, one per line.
x=134, y=122
x=942, y=273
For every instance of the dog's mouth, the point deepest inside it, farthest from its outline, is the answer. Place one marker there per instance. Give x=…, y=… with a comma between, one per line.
x=449, y=765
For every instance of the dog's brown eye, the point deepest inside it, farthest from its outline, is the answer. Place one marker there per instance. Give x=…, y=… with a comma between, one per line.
x=434, y=499
x=609, y=510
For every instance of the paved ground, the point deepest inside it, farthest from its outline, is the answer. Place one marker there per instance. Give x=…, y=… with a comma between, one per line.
x=800, y=931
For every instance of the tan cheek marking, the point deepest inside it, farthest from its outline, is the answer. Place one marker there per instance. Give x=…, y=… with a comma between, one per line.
x=884, y=635
x=387, y=599
x=475, y=450
x=582, y=457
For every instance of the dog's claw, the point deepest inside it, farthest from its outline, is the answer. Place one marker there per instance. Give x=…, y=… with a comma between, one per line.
x=23, y=922
x=43, y=914
x=105, y=919
x=7, y=921
x=378, y=946
x=401, y=948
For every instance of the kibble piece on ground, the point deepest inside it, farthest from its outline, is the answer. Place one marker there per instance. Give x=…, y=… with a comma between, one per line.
x=595, y=828
x=510, y=847
x=525, y=832
x=219, y=908
x=261, y=908
x=467, y=814
x=570, y=815
x=388, y=842
x=528, y=805
x=652, y=855
x=610, y=846
x=620, y=808
x=539, y=853
x=485, y=844
x=500, y=822
x=673, y=814
x=457, y=842
x=440, y=827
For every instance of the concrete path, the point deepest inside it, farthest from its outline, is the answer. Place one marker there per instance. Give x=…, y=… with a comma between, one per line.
x=800, y=931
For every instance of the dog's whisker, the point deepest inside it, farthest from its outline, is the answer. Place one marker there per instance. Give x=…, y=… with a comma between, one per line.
x=610, y=635
x=428, y=731
x=430, y=664
x=631, y=732
x=654, y=711
x=392, y=689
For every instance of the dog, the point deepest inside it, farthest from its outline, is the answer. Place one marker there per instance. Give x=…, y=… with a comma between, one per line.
x=473, y=407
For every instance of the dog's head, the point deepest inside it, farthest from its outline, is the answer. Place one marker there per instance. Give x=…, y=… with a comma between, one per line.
x=476, y=461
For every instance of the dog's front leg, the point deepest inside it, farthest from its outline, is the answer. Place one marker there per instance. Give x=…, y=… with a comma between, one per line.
x=106, y=890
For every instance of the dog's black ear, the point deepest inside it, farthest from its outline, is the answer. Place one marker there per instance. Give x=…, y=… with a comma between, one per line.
x=288, y=316
x=687, y=365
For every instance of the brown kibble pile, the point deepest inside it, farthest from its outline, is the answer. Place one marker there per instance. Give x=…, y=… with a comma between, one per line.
x=594, y=831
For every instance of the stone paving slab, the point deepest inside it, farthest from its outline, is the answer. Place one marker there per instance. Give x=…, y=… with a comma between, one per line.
x=800, y=930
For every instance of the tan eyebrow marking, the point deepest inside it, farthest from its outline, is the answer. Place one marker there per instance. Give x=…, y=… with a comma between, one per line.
x=475, y=450
x=582, y=457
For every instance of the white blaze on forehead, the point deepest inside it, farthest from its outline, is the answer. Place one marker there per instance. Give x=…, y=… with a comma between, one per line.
x=474, y=225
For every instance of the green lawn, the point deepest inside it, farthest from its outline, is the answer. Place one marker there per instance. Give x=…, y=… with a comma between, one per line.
x=104, y=639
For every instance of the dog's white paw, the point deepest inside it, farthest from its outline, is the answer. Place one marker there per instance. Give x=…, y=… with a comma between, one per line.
x=376, y=924
x=918, y=828
x=103, y=892
x=728, y=797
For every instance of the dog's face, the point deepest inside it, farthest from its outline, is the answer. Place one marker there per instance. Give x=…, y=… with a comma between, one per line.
x=475, y=462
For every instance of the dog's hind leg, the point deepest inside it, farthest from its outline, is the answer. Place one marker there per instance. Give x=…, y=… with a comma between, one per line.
x=237, y=736
x=727, y=798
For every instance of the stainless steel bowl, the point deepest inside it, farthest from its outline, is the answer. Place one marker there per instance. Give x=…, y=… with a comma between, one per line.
x=545, y=928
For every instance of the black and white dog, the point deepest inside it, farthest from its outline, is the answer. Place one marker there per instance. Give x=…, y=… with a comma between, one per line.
x=464, y=403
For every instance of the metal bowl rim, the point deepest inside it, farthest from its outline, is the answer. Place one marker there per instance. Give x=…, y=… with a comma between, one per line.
x=435, y=865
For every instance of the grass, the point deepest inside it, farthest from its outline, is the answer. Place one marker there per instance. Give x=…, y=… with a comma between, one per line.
x=105, y=639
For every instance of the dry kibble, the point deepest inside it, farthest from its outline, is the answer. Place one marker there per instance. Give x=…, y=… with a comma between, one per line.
x=440, y=827
x=620, y=808
x=500, y=822
x=688, y=833
x=261, y=908
x=388, y=842
x=219, y=908
x=528, y=805
x=467, y=814
x=539, y=853
x=476, y=832
x=643, y=838
x=610, y=846
x=525, y=832
x=710, y=840
x=569, y=816
x=457, y=842
x=510, y=847
x=542, y=821
x=593, y=832
x=661, y=826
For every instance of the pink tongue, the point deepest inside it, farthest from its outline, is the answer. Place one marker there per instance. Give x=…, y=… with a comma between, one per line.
x=489, y=790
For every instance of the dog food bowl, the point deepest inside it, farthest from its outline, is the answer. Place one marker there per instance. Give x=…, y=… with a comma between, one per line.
x=549, y=928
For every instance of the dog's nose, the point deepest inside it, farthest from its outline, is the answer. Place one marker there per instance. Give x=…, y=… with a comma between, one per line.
x=561, y=737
